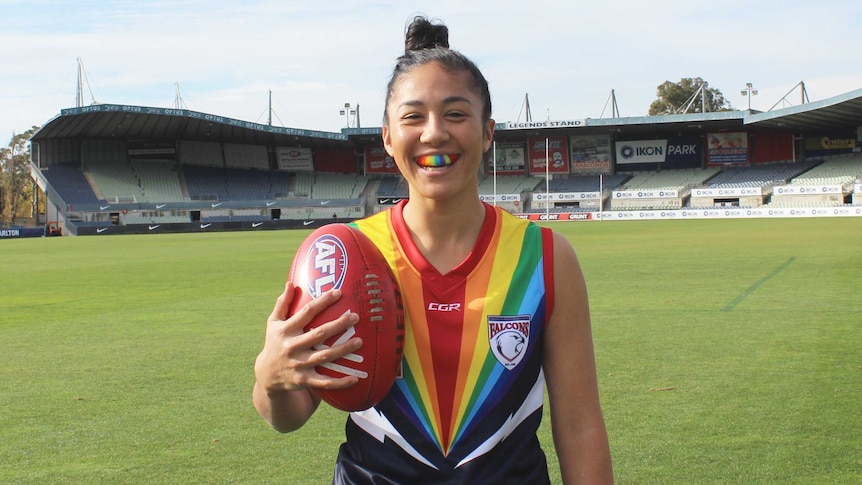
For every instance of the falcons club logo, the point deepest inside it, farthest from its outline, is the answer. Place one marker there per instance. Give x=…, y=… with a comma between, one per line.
x=508, y=337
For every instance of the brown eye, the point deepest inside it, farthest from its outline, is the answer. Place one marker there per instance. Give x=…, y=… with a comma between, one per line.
x=411, y=115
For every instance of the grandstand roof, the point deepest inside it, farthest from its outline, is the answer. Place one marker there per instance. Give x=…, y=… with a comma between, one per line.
x=842, y=112
x=138, y=122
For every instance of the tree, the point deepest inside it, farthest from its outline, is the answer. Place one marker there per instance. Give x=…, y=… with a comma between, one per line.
x=17, y=190
x=673, y=98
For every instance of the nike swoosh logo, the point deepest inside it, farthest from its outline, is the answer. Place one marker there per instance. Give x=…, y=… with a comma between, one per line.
x=103, y=207
x=307, y=223
x=256, y=224
x=154, y=227
x=324, y=202
x=101, y=230
x=159, y=206
x=384, y=201
x=215, y=204
x=204, y=226
x=270, y=204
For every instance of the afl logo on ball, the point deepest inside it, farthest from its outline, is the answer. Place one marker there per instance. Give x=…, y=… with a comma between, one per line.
x=508, y=337
x=326, y=264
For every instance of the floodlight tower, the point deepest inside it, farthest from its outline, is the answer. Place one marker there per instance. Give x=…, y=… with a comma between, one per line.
x=749, y=91
x=347, y=112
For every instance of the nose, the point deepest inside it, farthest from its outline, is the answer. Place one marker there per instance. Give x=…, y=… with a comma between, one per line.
x=435, y=131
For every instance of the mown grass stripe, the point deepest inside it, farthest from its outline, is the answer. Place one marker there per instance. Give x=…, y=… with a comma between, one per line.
x=751, y=289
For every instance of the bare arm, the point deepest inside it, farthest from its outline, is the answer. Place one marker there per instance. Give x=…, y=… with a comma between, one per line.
x=285, y=377
x=580, y=437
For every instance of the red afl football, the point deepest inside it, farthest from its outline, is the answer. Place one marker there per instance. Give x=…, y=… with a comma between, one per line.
x=339, y=256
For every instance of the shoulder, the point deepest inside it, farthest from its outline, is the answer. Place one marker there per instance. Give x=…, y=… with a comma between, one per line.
x=520, y=227
x=561, y=261
x=378, y=227
x=564, y=253
x=569, y=286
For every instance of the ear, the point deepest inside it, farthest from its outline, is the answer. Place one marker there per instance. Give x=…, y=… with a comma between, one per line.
x=488, y=135
x=387, y=141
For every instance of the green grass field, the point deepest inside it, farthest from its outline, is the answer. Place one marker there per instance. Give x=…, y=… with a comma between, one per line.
x=727, y=351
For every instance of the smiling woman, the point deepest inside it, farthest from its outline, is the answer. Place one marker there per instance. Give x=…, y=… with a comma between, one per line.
x=437, y=133
x=495, y=308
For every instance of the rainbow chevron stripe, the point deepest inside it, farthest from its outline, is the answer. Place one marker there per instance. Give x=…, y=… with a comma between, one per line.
x=451, y=377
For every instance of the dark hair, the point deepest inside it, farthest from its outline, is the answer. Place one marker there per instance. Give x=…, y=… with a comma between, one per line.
x=426, y=42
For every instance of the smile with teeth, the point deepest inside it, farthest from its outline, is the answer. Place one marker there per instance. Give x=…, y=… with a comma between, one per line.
x=437, y=161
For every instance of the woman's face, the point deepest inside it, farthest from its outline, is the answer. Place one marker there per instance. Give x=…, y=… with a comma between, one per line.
x=435, y=131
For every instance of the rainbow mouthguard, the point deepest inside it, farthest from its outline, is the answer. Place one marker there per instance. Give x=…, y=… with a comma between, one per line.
x=437, y=160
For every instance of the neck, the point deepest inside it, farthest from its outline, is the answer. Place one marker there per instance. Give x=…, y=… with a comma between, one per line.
x=444, y=231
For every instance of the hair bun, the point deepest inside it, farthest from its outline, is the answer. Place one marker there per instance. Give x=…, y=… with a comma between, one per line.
x=423, y=34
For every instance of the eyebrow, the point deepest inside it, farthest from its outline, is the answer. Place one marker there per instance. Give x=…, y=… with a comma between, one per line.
x=449, y=100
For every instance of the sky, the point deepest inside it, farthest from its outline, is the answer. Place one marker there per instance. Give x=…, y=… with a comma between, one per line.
x=565, y=56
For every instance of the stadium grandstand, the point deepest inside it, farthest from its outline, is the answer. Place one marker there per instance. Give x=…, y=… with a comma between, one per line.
x=113, y=169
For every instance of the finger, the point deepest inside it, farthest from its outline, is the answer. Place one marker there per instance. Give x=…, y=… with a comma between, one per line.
x=303, y=350
x=323, y=354
x=311, y=309
x=282, y=303
x=314, y=338
x=319, y=381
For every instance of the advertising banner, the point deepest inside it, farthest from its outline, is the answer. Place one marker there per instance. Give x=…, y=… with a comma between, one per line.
x=807, y=189
x=559, y=216
x=490, y=198
x=555, y=148
x=22, y=232
x=295, y=159
x=641, y=151
x=645, y=194
x=683, y=149
x=727, y=192
x=590, y=154
x=378, y=161
x=830, y=144
x=727, y=148
x=701, y=213
x=509, y=157
x=565, y=196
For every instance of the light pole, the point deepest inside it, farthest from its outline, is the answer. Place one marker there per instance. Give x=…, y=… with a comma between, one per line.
x=749, y=91
x=347, y=111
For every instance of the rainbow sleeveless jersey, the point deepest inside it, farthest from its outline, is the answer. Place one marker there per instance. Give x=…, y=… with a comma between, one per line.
x=469, y=399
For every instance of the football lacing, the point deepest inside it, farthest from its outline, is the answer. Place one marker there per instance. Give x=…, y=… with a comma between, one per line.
x=373, y=280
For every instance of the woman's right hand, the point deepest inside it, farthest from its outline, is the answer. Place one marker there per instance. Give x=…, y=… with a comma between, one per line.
x=288, y=359
x=285, y=370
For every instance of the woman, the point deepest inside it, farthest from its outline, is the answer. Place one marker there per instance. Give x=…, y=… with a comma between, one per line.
x=496, y=308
